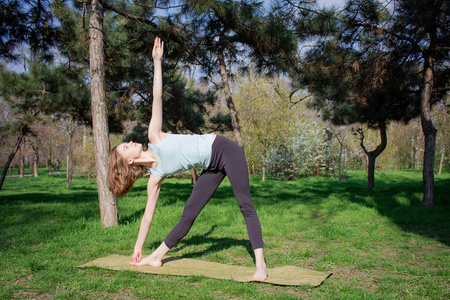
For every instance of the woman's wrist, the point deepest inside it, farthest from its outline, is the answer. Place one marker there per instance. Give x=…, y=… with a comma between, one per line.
x=137, y=248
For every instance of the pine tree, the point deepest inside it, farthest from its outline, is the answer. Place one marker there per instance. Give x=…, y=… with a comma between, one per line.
x=420, y=31
x=26, y=22
x=221, y=34
x=354, y=79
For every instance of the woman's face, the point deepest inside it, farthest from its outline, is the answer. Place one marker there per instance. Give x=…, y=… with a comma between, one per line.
x=129, y=151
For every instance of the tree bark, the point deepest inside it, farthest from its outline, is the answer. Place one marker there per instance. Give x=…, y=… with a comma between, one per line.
x=85, y=136
x=194, y=177
x=10, y=158
x=228, y=97
x=441, y=163
x=413, y=156
x=418, y=157
x=371, y=171
x=49, y=156
x=429, y=133
x=264, y=167
x=35, y=162
x=445, y=138
x=107, y=201
x=21, y=158
x=372, y=155
x=69, y=166
x=341, y=148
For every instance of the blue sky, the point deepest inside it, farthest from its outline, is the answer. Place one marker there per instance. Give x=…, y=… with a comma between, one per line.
x=332, y=2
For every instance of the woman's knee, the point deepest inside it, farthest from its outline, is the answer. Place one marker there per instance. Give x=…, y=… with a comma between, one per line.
x=247, y=209
x=188, y=217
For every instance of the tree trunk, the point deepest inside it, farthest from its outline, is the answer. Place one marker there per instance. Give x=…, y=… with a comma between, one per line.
x=441, y=163
x=228, y=97
x=49, y=156
x=21, y=158
x=35, y=162
x=371, y=171
x=418, y=158
x=85, y=136
x=194, y=176
x=10, y=158
x=107, y=201
x=429, y=133
x=341, y=143
x=264, y=168
x=69, y=166
x=372, y=156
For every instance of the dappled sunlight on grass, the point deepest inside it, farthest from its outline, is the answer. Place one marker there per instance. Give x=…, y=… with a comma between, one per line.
x=362, y=236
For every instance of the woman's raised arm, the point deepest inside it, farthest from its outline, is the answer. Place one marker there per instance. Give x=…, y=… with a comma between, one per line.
x=155, y=133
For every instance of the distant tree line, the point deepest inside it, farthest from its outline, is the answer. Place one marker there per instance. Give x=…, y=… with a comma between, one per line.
x=88, y=63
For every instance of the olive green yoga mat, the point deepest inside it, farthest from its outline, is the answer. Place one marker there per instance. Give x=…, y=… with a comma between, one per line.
x=287, y=275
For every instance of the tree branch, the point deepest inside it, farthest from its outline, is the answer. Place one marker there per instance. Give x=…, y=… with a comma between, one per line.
x=413, y=43
x=130, y=16
x=361, y=133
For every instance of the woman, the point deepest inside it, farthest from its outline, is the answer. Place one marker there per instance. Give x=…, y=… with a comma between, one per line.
x=171, y=153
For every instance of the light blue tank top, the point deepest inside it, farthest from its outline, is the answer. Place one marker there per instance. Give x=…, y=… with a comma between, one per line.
x=179, y=152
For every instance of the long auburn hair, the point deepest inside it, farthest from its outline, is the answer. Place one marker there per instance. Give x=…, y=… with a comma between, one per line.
x=121, y=176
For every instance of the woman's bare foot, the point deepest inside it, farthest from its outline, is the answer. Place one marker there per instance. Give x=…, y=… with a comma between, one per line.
x=154, y=259
x=149, y=261
x=260, y=274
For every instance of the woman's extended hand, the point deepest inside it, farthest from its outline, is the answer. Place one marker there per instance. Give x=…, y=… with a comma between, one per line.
x=158, y=49
x=136, y=258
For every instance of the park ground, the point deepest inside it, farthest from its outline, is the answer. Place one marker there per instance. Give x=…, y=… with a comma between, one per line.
x=378, y=244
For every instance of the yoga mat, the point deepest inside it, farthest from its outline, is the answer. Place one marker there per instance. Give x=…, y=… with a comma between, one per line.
x=287, y=275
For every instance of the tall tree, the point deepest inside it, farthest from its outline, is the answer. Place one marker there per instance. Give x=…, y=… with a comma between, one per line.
x=267, y=116
x=220, y=34
x=23, y=92
x=23, y=131
x=185, y=107
x=417, y=32
x=422, y=29
x=107, y=201
x=355, y=80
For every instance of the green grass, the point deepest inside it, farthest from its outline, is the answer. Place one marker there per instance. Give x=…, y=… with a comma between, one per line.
x=379, y=244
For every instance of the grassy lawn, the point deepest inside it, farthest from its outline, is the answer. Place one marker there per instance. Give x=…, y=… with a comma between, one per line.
x=379, y=244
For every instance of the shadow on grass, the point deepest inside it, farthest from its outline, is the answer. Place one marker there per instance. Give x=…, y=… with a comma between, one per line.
x=399, y=197
x=137, y=215
x=396, y=196
x=80, y=197
x=216, y=244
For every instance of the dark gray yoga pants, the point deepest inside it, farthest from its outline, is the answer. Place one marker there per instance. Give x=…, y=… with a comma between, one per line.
x=227, y=159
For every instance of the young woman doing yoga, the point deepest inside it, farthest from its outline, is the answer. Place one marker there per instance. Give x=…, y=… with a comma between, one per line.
x=170, y=153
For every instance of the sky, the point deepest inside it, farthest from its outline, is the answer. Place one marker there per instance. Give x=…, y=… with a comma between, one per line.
x=339, y=3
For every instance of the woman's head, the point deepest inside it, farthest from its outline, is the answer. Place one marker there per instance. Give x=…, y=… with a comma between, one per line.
x=122, y=173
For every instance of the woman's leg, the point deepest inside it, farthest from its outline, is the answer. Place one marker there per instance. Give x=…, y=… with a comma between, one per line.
x=236, y=169
x=203, y=190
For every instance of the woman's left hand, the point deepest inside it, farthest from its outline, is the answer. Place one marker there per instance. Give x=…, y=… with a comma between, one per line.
x=137, y=257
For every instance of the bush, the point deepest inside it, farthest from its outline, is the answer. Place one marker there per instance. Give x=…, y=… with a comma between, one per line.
x=306, y=153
